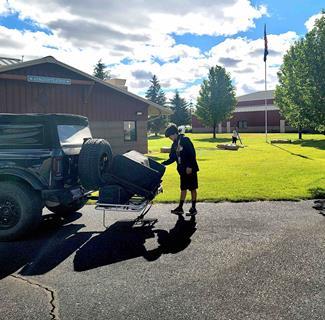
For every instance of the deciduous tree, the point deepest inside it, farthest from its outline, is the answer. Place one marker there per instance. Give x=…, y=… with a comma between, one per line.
x=216, y=99
x=300, y=93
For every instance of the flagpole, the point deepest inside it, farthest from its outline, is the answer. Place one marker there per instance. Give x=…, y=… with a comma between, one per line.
x=265, y=100
x=266, y=52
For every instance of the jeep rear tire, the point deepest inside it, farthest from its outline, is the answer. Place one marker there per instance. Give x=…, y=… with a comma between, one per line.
x=20, y=210
x=95, y=159
x=65, y=209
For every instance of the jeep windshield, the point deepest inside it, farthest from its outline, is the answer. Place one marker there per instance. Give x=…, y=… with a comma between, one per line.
x=73, y=134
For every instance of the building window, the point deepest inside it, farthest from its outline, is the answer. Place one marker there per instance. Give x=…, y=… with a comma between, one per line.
x=242, y=124
x=130, y=131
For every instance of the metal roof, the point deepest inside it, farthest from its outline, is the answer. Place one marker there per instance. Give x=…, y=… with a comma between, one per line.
x=259, y=95
x=8, y=61
x=153, y=108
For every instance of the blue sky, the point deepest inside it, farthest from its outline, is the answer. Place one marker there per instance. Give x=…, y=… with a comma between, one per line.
x=146, y=38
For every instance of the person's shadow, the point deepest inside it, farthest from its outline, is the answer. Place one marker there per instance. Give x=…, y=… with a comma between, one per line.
x=177, y=239
x=58, y=238
x=320, y=206
x=126, y=240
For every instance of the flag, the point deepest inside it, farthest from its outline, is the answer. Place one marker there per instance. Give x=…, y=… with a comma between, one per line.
x=266, y=52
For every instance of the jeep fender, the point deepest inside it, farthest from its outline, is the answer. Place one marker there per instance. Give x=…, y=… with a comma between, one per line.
x=22, y=174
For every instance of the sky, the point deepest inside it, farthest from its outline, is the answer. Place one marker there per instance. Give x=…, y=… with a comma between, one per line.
x=176, y=40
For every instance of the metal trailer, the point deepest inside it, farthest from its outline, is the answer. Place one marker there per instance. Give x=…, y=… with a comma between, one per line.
x=136, y=204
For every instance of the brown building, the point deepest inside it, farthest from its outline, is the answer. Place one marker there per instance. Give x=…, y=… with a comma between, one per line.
x=249, y=116
x=49, y=86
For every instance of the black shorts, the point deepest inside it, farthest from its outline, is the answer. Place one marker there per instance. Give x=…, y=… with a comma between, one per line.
x=189, y=181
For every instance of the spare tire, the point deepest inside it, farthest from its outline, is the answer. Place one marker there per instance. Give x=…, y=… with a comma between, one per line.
x=20, y=210
x=95, y=159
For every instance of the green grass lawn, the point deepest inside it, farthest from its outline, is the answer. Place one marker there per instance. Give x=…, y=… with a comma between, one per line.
x=259, y=171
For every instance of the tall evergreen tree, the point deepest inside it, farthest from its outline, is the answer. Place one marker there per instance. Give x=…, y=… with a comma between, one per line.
x=100, y=72
x=216, y=99
x=157, y=95
x=181, y=114
x=300, y=94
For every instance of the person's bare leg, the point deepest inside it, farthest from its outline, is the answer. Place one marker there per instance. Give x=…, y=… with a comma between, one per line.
x=183, y=195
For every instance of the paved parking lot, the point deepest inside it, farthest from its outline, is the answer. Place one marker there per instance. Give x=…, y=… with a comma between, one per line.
x=262, y=260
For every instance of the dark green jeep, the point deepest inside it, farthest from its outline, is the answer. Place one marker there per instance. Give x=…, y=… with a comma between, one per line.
x=46, y=160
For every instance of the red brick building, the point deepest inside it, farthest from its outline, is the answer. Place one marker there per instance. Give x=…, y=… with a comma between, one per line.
x=249, y=116
x=49, y=86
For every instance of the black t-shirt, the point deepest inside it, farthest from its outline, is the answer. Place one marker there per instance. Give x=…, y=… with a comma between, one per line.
x=183, y=152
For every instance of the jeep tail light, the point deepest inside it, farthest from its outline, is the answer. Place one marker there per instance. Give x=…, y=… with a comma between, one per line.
x=57, y=166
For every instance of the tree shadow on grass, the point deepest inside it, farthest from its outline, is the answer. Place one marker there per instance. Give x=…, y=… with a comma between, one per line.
x=158, y=158
x=153, y=137
x=317, y=193
x=311, y=143
x=292, y=153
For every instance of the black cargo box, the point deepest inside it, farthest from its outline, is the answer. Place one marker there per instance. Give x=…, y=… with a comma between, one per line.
x=114, y=194
x=137, y=173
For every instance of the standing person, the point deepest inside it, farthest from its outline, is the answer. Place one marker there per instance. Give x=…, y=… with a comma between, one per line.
x=183, y=152
x=235, y=135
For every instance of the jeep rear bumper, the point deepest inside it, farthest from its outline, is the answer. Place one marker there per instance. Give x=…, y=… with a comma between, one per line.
x=63, y=196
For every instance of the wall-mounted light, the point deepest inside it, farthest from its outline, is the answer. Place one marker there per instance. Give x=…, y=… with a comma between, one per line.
x=139, y=113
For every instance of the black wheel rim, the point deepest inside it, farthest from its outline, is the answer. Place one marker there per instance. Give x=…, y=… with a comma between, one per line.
x=9, y=214
x=103, y=163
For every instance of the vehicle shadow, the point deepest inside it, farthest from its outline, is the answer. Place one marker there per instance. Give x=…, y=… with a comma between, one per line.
x=125, y=240
x=52, y=243
x=58, y=238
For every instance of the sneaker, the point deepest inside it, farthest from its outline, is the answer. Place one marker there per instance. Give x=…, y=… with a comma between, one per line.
x=177, y=210
x=192, y=212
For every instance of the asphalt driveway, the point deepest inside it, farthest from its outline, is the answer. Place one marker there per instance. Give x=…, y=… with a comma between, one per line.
x=262, y=260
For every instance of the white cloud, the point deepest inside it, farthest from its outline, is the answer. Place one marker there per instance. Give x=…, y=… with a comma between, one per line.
x=141, y=31
x=191, y=93
x=150, y=19
x=247, y=71
x=41, y=11
x=215, y=19
x=244, y=56
x=4, y=9
x=309, y=24
x=198, y=17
